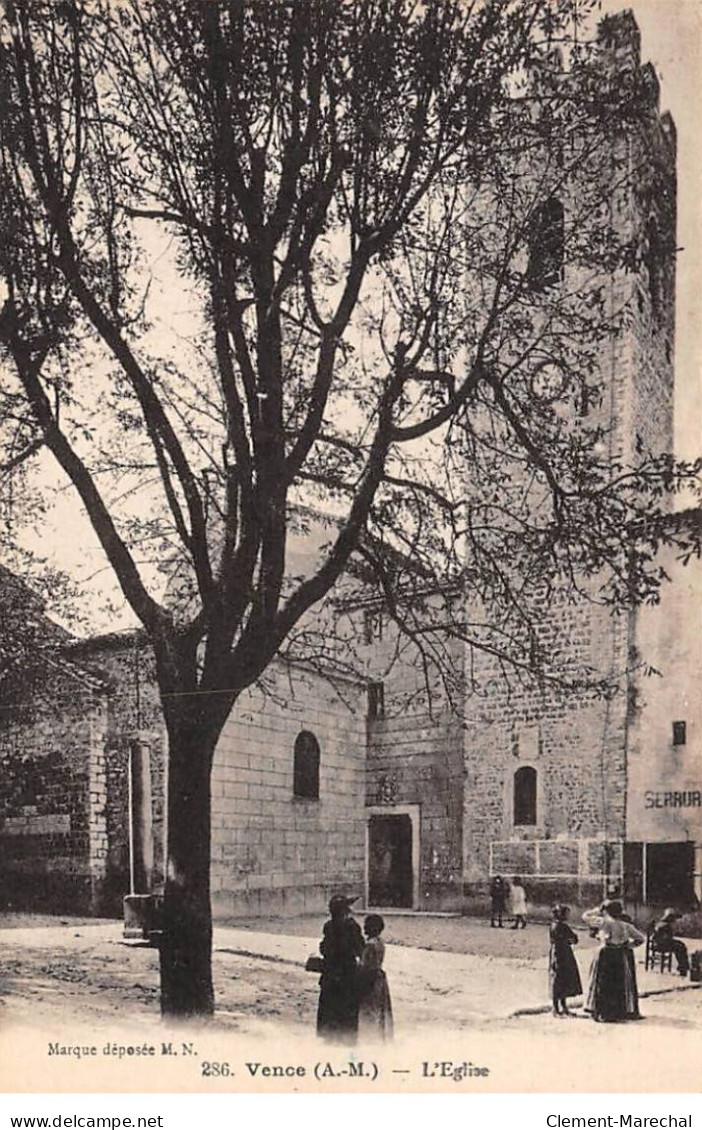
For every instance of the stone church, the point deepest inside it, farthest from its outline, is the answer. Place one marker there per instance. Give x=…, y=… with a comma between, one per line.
x=323, y=784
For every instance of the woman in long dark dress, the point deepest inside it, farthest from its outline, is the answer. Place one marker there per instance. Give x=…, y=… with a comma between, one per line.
x=612, y=993
x=564, y=975
x=341, y=946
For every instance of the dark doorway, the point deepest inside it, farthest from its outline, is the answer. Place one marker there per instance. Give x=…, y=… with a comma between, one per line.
x=669, y=874
x=633, y=873
x=390, y=861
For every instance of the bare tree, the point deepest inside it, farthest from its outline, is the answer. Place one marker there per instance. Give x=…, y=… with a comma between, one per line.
x=360, y=207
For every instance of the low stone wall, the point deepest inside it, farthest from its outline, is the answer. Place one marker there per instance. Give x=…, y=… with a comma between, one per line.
x=47, y=802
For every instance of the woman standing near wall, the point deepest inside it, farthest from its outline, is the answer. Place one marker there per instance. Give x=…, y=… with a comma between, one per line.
x=341, y=946
x=612, y=993
x=564, y=976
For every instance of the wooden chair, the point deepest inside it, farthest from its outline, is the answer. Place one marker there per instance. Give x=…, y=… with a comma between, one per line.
x=654, y=956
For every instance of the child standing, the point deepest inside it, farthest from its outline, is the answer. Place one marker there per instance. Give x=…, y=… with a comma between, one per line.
x=375, y=1009
x=518, y=903
x=498, y=900
x=563, y=973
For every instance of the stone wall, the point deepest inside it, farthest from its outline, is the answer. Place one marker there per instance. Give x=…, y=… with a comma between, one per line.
x=53, y=831
x=273, y=852
x=579, y=744
x=415, y=757
x=576, y=743
x=65, y=728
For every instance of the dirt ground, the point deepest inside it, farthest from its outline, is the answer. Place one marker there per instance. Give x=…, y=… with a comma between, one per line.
x=51, y=966
x=100, y=976
x=449, y=934
x=85, y=969
x=62, y=978
x=21, y=920
x=101, y=981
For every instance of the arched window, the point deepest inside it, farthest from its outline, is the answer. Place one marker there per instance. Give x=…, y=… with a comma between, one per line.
x=306, y=766
x=546, y=245
x=525, y=795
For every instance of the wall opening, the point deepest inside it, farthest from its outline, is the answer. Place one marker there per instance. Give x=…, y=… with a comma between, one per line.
x=679, y=733
x=670, y=874
x=306, y=766
x=525, y=796
x=633, y=873
x=390, y=860
x=547, y=245
x=376, y=700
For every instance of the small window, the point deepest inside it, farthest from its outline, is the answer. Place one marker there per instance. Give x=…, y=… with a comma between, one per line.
x=589, y=400
x=525, y=796
x=679, y=733
x=306, y=766
x=376, y=700
x=372, y=625
x=30, y=783
x=546, y=245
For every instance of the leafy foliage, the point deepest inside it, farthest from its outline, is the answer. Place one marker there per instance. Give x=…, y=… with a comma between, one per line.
x=347, y=205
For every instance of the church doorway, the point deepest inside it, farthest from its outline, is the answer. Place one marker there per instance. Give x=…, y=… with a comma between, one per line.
x=392, y=858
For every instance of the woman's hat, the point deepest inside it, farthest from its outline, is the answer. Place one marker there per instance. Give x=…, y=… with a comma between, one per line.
x=341, y=902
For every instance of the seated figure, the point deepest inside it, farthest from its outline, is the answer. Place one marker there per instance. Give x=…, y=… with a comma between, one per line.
x=665, y=941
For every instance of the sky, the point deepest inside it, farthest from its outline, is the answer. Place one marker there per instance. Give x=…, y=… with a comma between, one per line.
x=671, y=33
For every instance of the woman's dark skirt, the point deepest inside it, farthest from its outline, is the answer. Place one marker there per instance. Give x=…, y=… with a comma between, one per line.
x=563, y=973
x=612, y=993
x=337, y=1014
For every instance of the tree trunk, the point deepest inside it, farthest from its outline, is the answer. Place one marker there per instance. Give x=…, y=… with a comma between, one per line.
x=186, y=943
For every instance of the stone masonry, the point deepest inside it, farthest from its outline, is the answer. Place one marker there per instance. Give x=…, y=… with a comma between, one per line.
x=53, y=830
x=274, y=852
x=574, y=851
